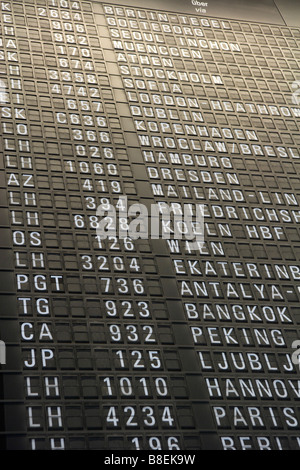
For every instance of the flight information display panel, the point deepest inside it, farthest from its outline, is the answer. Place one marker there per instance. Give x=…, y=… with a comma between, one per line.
x=121, y=128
